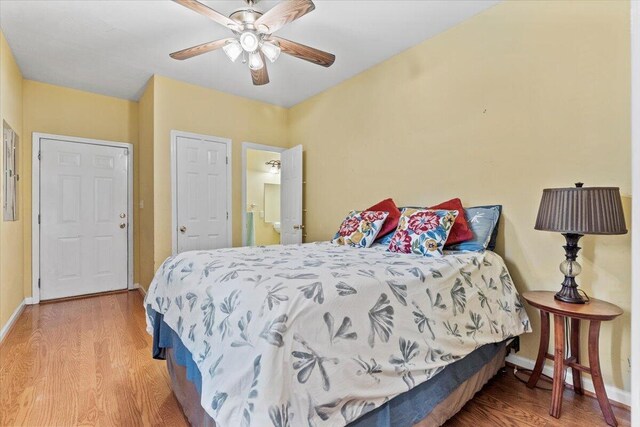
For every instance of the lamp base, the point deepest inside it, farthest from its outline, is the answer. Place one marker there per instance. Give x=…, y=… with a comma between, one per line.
x=569, y=292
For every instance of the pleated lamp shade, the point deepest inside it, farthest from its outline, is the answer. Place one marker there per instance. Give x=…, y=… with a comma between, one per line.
x=581, y=210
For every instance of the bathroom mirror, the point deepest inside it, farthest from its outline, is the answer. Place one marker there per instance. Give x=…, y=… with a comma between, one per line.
x=272, y=203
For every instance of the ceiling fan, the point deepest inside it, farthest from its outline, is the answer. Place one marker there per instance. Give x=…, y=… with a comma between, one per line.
x=253, y=36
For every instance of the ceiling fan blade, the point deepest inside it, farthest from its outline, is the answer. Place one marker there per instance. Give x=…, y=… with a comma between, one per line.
x=284, y=12
x=199, y=49
x=305, y=52
x=205, y=10
x=260, y=77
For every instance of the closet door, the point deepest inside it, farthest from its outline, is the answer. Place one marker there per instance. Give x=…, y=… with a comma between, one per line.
x=201, y=194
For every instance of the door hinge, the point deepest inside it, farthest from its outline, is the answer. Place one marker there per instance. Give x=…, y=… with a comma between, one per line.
x=38, y=218
x=227, y=159
x=39, y=155
x=227, y=215
x=126, y=151
x=38, y=283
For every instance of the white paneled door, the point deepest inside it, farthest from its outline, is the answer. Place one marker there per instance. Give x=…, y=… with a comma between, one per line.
x=84, y=218
x=291, y=227
x=202, y=211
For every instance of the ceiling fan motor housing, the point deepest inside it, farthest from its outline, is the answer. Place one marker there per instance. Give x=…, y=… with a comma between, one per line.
x=246, y=17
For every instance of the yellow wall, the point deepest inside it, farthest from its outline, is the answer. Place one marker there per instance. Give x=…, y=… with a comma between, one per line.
x=11, y=241
x=524, y=96
x=185, y=107
x=63, y=111
x=145, y=154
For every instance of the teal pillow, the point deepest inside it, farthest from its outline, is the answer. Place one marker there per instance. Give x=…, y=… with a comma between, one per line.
x=386, y=239
x=494, y=236
x=483, y=221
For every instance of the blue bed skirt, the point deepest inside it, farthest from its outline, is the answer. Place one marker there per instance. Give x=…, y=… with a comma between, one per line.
x=403, y=410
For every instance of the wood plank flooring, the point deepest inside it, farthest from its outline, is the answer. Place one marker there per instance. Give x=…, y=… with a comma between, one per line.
x=84, y=362
x=88, y=362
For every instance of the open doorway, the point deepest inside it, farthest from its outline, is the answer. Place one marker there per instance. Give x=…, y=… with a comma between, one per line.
x=261, y=195
x=263, y=198
x=271, y=176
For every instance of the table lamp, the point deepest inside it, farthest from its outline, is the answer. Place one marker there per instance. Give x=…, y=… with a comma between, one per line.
x=574, y=212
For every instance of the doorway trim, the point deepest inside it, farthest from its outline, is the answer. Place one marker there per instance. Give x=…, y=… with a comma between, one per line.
x=174, y=184
x=35, y=204
x=251, y=146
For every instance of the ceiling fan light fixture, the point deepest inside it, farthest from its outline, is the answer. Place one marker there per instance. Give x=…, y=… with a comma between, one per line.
x=270, y=50
x=249, y=41
x=255, y=61
x=232, y=49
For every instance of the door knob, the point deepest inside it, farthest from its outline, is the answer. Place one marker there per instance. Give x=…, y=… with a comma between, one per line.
x=183, y=229
x=298, y=227
x=123, y=225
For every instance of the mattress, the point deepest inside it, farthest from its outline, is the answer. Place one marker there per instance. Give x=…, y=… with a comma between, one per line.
x=319, y=334
x=430, y=404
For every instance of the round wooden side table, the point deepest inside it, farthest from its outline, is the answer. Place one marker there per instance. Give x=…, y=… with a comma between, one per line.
x=595, y=311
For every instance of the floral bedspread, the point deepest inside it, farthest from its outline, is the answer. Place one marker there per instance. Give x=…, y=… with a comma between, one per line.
x=319, y=334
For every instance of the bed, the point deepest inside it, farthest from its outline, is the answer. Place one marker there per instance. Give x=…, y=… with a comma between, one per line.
x=325, y=335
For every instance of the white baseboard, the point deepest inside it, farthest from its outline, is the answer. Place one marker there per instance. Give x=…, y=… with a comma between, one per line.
x=140, y=288
x=5, y=329
x=29, y=301
x=613, y=393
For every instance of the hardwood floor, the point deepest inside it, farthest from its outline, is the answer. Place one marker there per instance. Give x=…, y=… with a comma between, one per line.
x=84, y=362
x=505, y=401
x=88, y=362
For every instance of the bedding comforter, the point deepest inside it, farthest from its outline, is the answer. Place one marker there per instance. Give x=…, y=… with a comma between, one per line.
x=318, y=334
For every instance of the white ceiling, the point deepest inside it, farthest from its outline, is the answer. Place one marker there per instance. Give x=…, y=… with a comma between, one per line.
x=112, y=47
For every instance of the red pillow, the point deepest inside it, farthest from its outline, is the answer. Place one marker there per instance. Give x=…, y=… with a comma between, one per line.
x=460, y=232
x=391, y=223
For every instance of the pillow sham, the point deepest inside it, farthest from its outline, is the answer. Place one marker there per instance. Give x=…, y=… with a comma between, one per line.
x=422, y=231
x=483, y=221
x=359, y=229
x=391, y=223
x=460, y=232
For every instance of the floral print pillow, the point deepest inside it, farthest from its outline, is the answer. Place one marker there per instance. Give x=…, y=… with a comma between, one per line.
x=359, y=229
x=422, y=231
